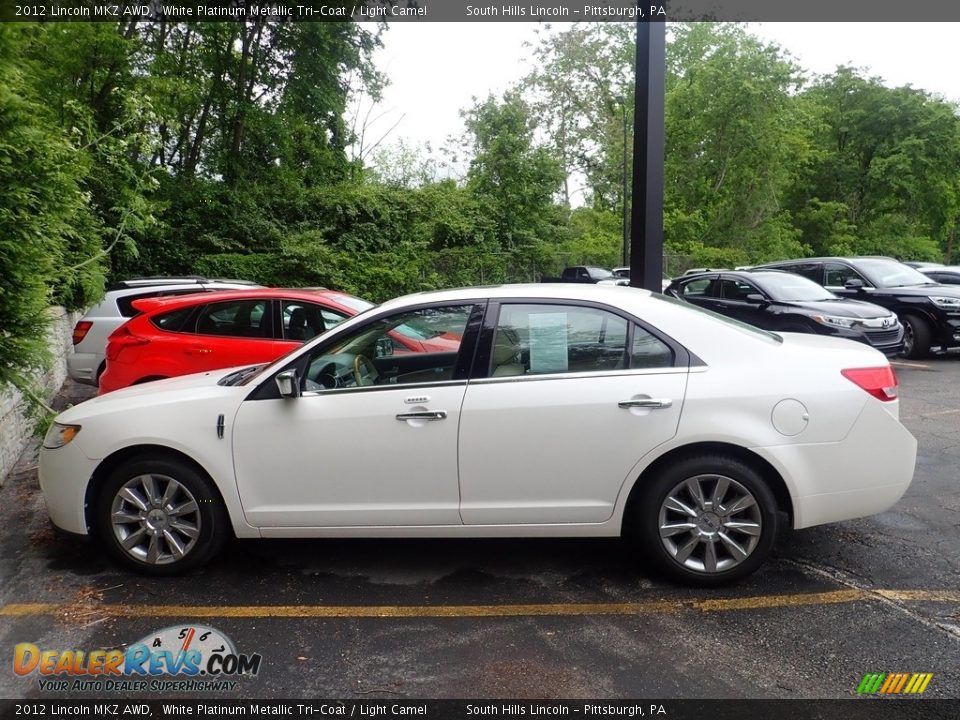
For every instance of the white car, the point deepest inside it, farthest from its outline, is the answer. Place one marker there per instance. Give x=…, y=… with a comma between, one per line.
x=559, y=410
x=88, y=360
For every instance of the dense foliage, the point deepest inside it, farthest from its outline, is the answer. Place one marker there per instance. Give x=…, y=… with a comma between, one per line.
x=154, y=148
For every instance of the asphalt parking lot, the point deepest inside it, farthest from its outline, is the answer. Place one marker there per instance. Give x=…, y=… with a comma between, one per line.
x=530, y=619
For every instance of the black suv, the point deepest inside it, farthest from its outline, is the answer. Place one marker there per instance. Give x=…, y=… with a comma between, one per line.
x=929, y=311
x=783, y=301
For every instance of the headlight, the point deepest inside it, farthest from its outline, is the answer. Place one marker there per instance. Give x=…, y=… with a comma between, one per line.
x=835, y=320
x=59, y=435
x=947, y=303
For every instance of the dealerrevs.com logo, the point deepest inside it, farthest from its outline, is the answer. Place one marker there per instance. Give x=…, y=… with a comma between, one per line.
x=178, y=658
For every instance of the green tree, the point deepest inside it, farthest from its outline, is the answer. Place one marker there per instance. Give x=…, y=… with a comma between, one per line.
x=885, y=165
x=514, y=177
x=45, y=219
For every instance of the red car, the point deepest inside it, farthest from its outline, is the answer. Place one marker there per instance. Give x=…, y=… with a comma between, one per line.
x=195, y=333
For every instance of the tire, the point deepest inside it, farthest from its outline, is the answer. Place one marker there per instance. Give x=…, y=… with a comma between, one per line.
x=917, y=337
x=159, y=540
x=685, y=555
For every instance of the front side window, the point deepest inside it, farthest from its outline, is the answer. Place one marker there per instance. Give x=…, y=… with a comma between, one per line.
x=415, y=346
x=235, y=318
x=546, y=339
x=303, y=321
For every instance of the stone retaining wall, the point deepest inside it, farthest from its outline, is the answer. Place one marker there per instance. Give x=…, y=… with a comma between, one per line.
x=15, y=427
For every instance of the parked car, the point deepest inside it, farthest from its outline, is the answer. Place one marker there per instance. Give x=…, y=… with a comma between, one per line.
x=623, y=273
x=920, y=264
x=929, y=312
x=563, y=410
x=88, y=360
x=782, y=301
x=943, y=274
x=193, y=333
x=584, y=274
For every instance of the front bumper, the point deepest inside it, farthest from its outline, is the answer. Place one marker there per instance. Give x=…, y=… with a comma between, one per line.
x=64, y=476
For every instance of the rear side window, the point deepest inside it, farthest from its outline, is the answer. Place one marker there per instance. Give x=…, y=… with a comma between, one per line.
x=696, y=288
x=235, y=318
x=648, y=351
x=811, y=271
x=547, y=339
x=174, y=320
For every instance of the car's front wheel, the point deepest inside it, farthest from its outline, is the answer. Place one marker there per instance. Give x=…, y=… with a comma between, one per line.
x=707, y=520
x=917, y=337
x=160, y=516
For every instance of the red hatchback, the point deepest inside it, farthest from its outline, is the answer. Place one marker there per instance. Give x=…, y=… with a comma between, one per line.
x=195, y=333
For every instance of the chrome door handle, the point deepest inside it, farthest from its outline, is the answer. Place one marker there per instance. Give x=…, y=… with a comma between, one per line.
x=652, y=403
x=423, y=415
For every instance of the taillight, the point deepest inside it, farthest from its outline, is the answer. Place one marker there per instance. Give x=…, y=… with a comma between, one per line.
x=881, y=382
x=120, y=340
x=80, y=331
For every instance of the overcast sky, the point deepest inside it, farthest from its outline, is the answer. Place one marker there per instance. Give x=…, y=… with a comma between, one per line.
x=436, y=68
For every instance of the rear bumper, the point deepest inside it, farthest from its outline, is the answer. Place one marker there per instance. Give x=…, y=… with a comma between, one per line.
x=82, y=367
x=865, y=473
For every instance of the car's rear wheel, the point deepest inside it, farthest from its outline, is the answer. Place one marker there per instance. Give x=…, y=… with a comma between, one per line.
x=917, y=337
x=160, y=516
x=707, y=520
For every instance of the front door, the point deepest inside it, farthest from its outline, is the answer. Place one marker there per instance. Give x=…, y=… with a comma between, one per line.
x=372, y=441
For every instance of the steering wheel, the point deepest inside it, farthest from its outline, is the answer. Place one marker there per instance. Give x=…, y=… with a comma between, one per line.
x=359, y=362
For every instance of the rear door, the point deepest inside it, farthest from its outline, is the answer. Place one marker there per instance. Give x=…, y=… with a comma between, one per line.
x=229, y=333
x=573, y=396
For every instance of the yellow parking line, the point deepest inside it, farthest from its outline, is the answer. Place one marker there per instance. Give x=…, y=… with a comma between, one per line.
x=646, y=607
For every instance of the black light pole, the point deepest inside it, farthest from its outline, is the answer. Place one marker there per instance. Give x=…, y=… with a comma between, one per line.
x=626, y=217
x=646, y=247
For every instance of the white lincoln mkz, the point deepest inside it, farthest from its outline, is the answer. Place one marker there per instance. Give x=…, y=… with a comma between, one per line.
x=558, y=410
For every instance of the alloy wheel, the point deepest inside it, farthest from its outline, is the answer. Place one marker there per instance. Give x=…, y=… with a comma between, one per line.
x=155, y=519
x=710, y=523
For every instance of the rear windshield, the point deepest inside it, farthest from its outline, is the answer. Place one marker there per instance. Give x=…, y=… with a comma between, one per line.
x=741, y=326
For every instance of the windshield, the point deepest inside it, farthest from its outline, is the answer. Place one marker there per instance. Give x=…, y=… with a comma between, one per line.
x=355, y=303
x=891, y=274
x=787, y=287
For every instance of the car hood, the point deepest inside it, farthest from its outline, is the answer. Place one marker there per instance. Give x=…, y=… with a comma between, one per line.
x=182, y=389
x=919, y=291
x=842, y=308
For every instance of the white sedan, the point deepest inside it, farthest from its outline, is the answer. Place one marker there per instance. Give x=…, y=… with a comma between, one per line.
x=558, y=410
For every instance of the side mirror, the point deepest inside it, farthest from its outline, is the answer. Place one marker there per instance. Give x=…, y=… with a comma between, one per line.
x=853, y=284
x=756, y=299
x=288, y=383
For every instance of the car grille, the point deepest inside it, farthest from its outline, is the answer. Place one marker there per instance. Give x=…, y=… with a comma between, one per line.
x=882, y=337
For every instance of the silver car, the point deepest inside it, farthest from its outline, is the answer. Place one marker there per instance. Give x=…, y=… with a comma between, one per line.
x=90, y=334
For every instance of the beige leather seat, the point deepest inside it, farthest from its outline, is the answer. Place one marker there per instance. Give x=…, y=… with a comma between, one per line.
x=506, y=354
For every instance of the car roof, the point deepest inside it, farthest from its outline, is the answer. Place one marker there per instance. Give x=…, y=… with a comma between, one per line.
x=848, y=258
x=160, y=281
x=533, y=291
x=149, y=305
